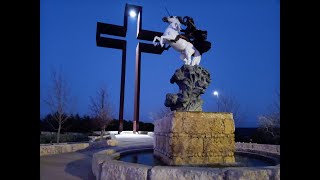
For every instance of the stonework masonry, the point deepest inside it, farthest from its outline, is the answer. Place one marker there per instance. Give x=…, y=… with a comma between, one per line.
x=195, y=138
x=104, y=166
x=65, y=148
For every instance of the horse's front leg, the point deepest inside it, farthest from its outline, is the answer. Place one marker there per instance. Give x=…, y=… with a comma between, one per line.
x=188, y=59
x=188, y=52
x=183, y=57
x=166, y=37
x=154, y=40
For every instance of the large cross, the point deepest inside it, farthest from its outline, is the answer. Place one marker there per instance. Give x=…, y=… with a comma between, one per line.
x=111, y=29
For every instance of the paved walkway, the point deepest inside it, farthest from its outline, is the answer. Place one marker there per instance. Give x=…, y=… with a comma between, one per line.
x=77, y=165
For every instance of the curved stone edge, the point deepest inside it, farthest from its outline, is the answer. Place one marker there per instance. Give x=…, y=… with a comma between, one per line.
x=117, y=170
x=183, y=173
x=65, y=148
x=274, y=149
x=105, y=167
x=103, y=161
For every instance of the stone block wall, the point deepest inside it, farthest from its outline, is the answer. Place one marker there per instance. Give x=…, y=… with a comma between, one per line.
x=195, y=138
x=61, y=148
x=65, y=148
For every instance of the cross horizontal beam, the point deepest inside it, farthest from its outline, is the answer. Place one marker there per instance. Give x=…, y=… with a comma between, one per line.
x=148, y=35
x=111, y=29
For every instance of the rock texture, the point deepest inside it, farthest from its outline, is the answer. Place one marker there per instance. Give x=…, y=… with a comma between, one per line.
x=192, y=82
x=195, y=138
x=259, y=147
x=104, y=166
x=65, y=148
x=185, y=173
x=117, y=170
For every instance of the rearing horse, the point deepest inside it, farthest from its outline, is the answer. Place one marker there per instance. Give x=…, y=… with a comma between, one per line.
x=179, y=44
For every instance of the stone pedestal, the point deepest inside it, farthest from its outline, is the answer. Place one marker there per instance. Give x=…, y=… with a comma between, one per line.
x=195, y=138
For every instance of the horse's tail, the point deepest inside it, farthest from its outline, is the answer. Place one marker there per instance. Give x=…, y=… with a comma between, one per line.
x=196, y=58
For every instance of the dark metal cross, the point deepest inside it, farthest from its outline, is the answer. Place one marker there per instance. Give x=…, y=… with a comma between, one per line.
x=111, y=29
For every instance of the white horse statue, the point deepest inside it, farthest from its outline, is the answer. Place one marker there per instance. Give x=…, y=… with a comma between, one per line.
x=184, y=47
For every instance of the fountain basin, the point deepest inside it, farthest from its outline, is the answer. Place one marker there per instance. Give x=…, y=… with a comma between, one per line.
x=105, y=165
x=243, y=159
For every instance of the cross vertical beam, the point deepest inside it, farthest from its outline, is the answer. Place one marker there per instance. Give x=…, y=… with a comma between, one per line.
x=103, y=28
x=115, y=30
x=122, y=87
x=136, y=114
x=147, y=48
x=142, y=47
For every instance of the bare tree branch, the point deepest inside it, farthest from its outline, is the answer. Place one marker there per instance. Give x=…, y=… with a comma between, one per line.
x=101, y=109
x=270, y=122
x=160, y=114
x=52, y=126
x=58, y=100
x=228, y=103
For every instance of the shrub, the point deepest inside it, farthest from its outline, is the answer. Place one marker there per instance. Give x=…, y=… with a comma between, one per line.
x=51, y=138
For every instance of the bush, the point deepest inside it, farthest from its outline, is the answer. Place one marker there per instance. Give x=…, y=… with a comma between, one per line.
x=263, y=137
x=52, y=138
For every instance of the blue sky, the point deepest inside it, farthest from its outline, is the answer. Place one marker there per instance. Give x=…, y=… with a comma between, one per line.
x=244, y=60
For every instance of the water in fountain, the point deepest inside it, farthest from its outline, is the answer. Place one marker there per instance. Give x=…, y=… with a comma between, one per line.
x=242, y=159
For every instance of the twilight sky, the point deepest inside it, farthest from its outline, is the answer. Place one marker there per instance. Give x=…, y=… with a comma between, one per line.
x=244, y=60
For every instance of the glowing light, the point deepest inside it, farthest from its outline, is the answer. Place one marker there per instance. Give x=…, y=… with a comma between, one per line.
x=215, y=93
x=132, y=13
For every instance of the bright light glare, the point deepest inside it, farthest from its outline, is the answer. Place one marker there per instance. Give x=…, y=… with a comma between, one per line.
x=132, y=13
x=215, y=93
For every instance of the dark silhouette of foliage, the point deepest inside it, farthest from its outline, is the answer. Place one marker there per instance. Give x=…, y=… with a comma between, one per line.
x=86, y=124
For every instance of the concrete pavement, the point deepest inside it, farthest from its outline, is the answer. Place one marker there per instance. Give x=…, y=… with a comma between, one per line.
x=77, y=165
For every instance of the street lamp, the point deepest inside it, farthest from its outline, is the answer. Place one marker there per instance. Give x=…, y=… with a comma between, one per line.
x=132, y=13
x=216, y=93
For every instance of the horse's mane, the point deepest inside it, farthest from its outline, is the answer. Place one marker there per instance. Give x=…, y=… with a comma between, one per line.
x=172, y=26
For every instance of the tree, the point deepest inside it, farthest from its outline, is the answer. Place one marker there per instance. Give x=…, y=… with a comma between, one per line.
x=59, y=101
x=269, y=124
x=101, y=110
x=159, y=114
x=228, y=103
